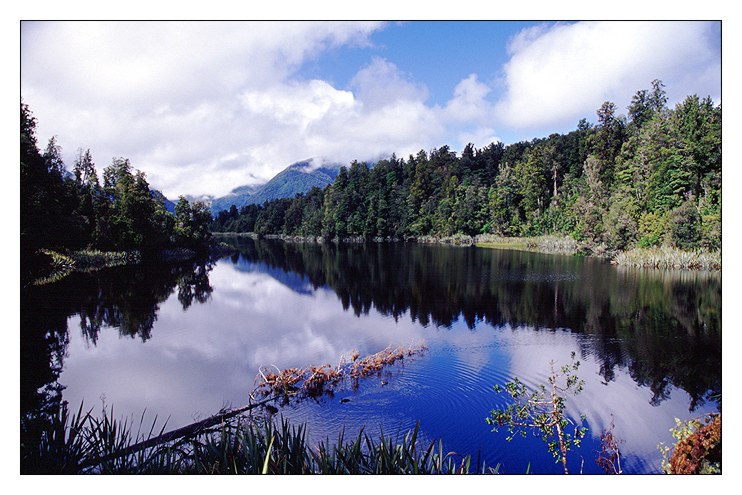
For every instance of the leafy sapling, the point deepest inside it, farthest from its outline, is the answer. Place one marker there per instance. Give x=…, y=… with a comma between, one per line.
x=542, y=411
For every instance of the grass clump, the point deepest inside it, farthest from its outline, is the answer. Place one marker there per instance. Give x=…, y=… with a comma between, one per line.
x=669, y=258
x=83, y=444
x=552, y=244
x=59, y=265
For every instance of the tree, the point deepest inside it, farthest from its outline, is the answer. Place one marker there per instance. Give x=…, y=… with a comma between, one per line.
x=503, y=201
x=191, y=226
x=89, y=209
x=606, y=142
x=697, y=124
x=685, y=226
x=542, y=410
x=45, y=201
x=469, y=210
x=335, y=207
x=135, y=217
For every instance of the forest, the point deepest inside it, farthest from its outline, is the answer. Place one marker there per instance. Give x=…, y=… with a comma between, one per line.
x=66, y=210
x=649, y=178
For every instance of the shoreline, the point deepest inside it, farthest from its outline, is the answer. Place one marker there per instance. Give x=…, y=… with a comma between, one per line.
x=59, y=264
x=660, y=258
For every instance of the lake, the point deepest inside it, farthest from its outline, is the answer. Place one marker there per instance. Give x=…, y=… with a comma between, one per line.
x=180, y=342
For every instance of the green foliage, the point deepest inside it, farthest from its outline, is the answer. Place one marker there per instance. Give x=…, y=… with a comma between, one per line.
x=685, y=226
x=711, y=232
x=191, y=226
x=645, y=179
x=543, y=410
x=84, y=443
x=61, y=210
x=621, y=227
x=651, y=230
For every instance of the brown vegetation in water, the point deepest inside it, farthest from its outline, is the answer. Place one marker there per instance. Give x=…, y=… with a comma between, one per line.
x=314, y=381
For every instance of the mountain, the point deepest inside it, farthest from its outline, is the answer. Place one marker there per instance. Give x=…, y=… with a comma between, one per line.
x=297, y=178
x=169, y=205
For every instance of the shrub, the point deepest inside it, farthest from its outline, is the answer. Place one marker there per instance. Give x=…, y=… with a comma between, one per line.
x=542, y=411
x=711, y=231
x=698, y=449
x=651, y=229
x=685, y=226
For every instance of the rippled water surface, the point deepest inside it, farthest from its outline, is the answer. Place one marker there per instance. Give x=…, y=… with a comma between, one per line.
x=183, y=342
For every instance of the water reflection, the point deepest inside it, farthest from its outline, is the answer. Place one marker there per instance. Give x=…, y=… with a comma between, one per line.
x=183, y=341
x=664, y=326
x=127, y=299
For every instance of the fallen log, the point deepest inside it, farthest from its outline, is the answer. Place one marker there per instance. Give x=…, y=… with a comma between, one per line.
x=188, y=431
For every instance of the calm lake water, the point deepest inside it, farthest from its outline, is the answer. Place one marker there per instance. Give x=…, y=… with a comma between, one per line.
x=181, y=342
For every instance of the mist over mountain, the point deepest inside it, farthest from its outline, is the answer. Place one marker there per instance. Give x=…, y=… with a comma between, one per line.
x=297, y=178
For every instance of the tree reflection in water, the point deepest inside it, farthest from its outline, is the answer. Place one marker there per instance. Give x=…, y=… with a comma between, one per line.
x=663, y=326
x=126, y=298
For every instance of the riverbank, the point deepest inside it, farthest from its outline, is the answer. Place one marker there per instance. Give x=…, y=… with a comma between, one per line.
x=55, y=265
x=545, y=244
x=660, y=258
x=551, y=244
x=669, y=258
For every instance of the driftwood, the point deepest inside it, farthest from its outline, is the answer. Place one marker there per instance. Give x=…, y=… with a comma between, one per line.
x=282, y=384
x=180, y=433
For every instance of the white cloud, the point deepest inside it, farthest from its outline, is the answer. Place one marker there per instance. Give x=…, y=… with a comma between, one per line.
x=469, y=102
x=167, y=94
x=205, y=107
x=559, y=74
x=381, y=83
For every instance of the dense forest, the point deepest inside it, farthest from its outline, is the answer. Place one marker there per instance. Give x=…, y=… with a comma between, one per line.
x=73, y=210
x=648, y=178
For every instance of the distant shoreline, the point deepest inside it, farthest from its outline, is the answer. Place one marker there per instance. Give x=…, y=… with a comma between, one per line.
x=658, y=257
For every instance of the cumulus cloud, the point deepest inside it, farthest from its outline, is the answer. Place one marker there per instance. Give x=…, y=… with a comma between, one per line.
x=556, y=74
x=205, y=107
x=469, y=102
x=381, y=83
x=171, y=96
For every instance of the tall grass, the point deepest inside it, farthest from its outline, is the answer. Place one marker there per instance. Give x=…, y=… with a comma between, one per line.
x=553, y=244
x=81, y=443
x=666, y=257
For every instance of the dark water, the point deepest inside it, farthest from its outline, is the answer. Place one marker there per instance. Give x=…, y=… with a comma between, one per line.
x=181, y=342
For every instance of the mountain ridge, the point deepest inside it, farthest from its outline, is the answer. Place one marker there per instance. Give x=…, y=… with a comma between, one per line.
x=297, y=178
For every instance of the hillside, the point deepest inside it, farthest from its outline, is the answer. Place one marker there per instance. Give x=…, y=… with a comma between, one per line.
x=297, y=178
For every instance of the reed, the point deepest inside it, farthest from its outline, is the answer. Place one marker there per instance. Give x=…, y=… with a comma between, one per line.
x=83, y=444
x=454, y=240
x=669, y=258
x=552, y=244
x=89, y=260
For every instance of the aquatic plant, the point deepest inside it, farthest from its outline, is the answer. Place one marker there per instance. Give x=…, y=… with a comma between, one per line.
x=609, y=457
x=60, y=443
x=542, y=410
x=62, y=264
x=553, y=244
x=83, y=444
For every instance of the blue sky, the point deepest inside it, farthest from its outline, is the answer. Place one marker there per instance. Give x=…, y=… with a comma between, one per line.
x=204, y=107
x=440, y=53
